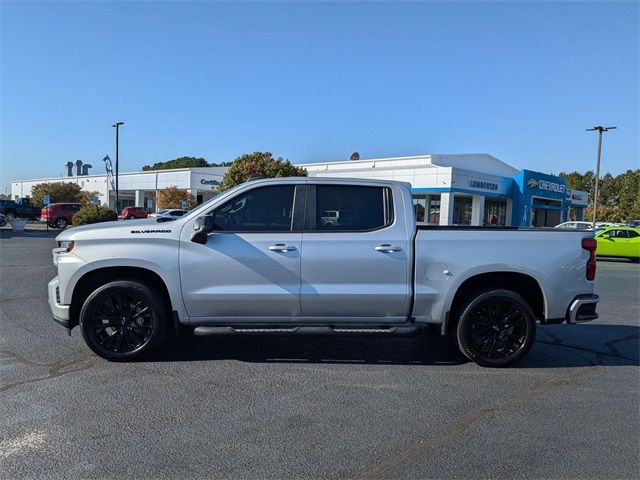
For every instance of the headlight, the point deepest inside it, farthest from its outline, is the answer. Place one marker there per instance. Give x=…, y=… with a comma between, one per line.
x=68, y=244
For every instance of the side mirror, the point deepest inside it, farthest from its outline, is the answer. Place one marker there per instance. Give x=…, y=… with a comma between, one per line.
x=201, y=227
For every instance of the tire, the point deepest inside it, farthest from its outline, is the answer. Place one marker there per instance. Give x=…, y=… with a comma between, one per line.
x=61, y=223
x=10, y=216
x=496, y=327
x=131, y=217
x=124, y=321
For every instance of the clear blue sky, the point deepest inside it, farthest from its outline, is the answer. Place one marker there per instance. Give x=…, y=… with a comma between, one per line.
x=316, y=81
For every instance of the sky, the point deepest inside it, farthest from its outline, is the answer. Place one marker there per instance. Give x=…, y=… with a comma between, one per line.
x=316, y=81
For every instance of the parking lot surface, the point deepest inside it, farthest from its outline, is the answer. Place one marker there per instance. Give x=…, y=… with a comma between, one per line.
x=314, y=407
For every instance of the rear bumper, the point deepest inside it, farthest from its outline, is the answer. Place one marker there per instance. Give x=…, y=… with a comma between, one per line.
x=583, y=308
x=60, y=313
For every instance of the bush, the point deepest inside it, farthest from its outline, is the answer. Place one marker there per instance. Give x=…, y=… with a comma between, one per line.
x=94, y=214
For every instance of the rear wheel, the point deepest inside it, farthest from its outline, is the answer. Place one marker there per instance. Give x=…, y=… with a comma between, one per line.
x=496, y=327
x=124, y=321
x=10, y=216
x=61, y=223
x=131, y=217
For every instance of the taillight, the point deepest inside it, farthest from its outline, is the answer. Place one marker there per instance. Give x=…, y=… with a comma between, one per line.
x=590, y=245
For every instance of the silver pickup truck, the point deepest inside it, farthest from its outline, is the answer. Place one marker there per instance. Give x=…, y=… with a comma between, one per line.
x=259, y=259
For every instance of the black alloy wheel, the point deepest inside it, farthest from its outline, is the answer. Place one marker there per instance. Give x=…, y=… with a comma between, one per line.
x=61, y=223
x=496, y=328
x=123, y=320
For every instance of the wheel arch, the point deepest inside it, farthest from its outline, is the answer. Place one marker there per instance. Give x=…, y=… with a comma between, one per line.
x=93, y=279
x=524, y=285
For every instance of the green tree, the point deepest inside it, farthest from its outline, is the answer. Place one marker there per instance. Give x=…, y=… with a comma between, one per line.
x=59, y=192
x=172, y=197
x=94, y=214
x=260, y=163
x=182, y=162
x=580, y=181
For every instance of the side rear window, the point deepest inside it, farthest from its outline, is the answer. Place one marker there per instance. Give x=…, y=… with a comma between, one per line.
x=346, y=208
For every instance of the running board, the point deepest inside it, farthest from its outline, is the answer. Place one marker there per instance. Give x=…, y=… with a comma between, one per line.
x=394, y=330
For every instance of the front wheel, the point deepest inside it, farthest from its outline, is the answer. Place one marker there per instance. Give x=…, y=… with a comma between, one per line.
x=61, y=223
x=496, y=327
x=124, y=321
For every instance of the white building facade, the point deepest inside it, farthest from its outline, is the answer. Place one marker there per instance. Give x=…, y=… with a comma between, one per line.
x=137, y=188
x=448, y=189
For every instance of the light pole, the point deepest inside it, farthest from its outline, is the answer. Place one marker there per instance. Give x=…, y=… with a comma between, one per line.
x=600, y=129
x=117, y=127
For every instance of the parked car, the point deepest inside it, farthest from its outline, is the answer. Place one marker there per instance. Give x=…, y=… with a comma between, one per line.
x=59, y=215
x=619, y=242
x=167, y=215
x=576, y=225
x=634, y=223
x=3, y=220
x=18, y=208
x=257, y=259
x=130, y=213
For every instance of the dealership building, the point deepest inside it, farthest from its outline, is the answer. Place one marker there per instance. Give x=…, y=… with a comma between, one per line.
x=448, y=189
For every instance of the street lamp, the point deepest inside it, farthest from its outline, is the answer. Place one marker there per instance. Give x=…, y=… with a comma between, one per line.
x=117, y=127
x=600, y=129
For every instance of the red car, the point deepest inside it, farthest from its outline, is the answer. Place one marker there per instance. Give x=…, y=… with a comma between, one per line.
x=59, y=215
x=130, y=213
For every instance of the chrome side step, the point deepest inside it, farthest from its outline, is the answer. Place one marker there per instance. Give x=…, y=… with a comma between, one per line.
x=395, y=330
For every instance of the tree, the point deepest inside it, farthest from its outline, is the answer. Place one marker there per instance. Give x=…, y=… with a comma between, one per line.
x=618, y=197
x=172, y=197
x=261, y=163
x=181, y=162
x=59, y=192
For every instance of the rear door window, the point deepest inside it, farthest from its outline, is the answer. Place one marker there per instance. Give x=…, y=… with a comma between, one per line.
x=347, y=208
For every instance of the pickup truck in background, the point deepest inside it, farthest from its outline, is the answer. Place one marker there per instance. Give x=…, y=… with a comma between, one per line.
x=259, y=259
x=20, y=208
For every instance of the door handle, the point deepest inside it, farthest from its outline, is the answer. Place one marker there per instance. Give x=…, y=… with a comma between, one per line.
x=387, y=248
x=281, y=247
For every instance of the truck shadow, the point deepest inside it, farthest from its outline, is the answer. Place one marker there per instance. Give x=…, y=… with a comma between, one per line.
x=424, y=349
x=556, y=346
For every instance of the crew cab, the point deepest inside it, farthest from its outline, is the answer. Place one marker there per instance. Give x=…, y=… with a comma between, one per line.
x=258, y=259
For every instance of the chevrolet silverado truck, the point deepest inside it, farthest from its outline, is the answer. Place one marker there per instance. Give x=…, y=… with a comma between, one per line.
x=258, y=259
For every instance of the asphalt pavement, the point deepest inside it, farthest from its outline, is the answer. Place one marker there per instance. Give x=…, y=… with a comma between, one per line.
x=314, y=407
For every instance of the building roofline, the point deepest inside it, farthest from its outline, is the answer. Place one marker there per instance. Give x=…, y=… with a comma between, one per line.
x=120, y=174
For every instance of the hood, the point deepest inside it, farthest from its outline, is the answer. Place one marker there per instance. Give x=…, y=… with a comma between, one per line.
x=120, y=229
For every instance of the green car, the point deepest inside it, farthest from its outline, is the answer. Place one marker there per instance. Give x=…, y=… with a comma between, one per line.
x=619, y=242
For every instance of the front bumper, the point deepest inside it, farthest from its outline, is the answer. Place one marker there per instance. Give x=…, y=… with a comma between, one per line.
x=60, y=313
x=583, y=308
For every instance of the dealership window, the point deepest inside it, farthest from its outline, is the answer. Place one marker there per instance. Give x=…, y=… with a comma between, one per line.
x=420, y=207
x=462, y=207
x=427, y=208
x=495, y=212
x=434, y=209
